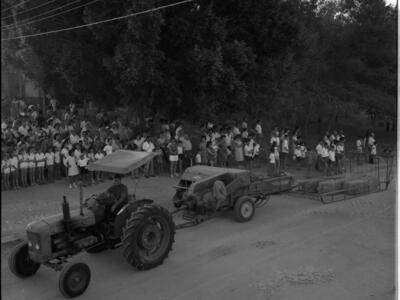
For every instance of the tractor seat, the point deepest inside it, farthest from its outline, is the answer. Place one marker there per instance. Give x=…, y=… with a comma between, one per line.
x=117, y=206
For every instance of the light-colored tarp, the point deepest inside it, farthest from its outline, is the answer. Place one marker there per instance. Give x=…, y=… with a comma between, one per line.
x=196, y=173
x=121, y=162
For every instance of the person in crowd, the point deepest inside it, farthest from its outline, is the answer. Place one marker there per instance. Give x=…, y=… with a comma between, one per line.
x=238, y=151
x=73, y=170
x=173, y=157
x=179, y=146
x=272, y=162
x=311, y=158
x=149, y=147
x=284, y=142
x=373, y=153
x=32, y=166
x=211, y=154
x=50, y=164
x=99, y=155
x=14, y=170
x=258, y=129
x=5, y=171
x=57, y=162
x=82, y=162
x=223, y=153
x=331, y=160
x=339, y=156
x=187, y=150
x=40, y=165
x=23, y=158
x=359, y=149
x=297, y=156
x=248, y=153
x=203, y=150
x=325, y=157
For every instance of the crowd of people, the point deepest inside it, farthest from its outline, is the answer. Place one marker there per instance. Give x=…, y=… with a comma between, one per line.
x=39, y=150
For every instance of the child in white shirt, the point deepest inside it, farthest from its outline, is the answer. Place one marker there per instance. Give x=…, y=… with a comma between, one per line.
x=32, y=166
x=57, y=162
x=50, y=164
x=24, y=165
x=99, y=155
x=40, y=165
x=14, y=170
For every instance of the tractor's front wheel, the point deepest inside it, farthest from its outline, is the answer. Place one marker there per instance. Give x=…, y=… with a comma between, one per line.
x=148, y=236
x=74, y=279
x=244, y=209
x=20, y=263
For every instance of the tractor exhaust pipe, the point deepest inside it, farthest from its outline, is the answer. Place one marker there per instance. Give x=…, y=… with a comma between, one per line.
x=65, y=210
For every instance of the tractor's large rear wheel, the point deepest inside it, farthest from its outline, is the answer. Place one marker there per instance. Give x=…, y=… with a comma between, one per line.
x=148, y=236
x=20, y=263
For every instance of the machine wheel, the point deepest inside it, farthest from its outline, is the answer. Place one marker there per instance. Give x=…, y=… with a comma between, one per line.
x=244, y=209
x=74, y=279
x=148, y=236
x=20, y=263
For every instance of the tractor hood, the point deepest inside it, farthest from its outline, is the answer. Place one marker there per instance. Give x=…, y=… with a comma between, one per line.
x=197, y=173
x=54, y=224
x=122, y=161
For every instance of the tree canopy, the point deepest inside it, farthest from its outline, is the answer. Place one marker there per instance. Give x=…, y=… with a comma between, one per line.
x=296, y=60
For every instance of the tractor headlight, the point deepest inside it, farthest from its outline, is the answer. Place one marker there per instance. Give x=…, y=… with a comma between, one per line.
x=30, y=244
x=37, y=247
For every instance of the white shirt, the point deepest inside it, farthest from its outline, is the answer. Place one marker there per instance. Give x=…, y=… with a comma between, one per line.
x=14, y=163
x=324, y=152
x=272, y=158
x=248, y=150
x=331, y=155
x=82, y=162
x=23, y=161
x=57, y=159
x=49, y=158
x=319, y=149
x=148, y=146
x=98, y=156
x=259, y=129
x=373, y=150
x=107, y=149
x=285, y=145
x=32, y=162
x=359, y=145
x=276, y=140
x=40, y=159
x=256, y=150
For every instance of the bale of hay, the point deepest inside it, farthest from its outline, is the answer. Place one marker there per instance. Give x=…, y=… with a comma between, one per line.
x=356, y=186
x=327, y=186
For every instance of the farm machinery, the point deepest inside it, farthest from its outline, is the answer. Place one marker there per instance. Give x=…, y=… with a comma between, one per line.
x=144, y=229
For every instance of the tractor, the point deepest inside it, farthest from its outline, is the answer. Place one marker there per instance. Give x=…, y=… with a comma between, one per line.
x=142, y=228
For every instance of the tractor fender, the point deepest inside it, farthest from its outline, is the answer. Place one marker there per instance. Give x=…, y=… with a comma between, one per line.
x=125, y=212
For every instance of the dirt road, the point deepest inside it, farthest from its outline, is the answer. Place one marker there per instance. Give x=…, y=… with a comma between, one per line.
x=294, y=248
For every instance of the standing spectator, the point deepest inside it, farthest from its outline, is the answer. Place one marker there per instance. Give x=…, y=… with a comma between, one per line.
x=359, y=149
x=82, y=163
x=108, y=148
x=372, y=154
x=24, y=165
x=311, y=158
x=223, y=153
x=331, y=160
x=256, y=154
x=319, y=163
x=297, y=157
x=275, y=138
x=73, y=171
x=57, y=162
x=99, y=155
x=272, y=162
x=235, y=129
x=148, y=146
x=325, y=157
x=173, y=157
x=203, y=150
x=32, y=166
x=187, y=151
x=244, y=124
x=284, y=150
x=211, y=155
x=180, y=156
x=40, y=165
x=91, y=160
x=50, y=164
x=14, y=170
x=5, y=168
x=238, y=150
x=258, y=129
x=339, y=156
x=248, y=154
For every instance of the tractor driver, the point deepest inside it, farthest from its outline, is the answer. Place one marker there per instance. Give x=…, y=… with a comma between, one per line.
x=117, y=193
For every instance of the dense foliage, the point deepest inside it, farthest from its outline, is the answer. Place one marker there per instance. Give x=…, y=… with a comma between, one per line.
x=301, y=61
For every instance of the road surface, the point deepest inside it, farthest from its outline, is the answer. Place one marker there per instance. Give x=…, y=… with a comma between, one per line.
x=294, y=248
